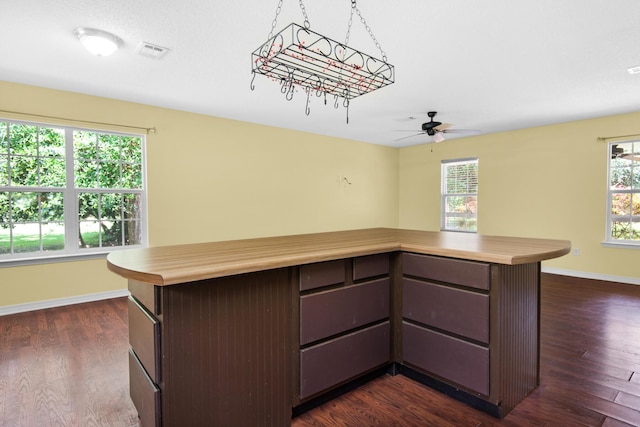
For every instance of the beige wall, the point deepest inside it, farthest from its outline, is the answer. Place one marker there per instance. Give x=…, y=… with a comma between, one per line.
x=215, y=179
x=548, y=182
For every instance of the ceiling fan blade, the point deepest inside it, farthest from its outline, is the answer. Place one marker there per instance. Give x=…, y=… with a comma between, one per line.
x=630, y=156
x=443, y=126
x=410, y=136
x=468, y=131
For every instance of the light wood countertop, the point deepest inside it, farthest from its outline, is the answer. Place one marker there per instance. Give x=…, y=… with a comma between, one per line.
x=169, y=265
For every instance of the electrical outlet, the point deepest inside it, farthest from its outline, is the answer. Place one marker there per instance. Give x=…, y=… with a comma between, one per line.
x=576, y=252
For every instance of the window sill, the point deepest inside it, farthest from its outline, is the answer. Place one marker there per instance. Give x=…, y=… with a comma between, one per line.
x=620, y=245
x=458, y=231
x=49, y=259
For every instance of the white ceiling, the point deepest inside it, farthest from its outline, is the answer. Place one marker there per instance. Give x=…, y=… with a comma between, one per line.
x=489, y=65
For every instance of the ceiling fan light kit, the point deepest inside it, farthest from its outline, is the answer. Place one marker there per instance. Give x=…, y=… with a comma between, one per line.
x=437, y=137
x=299, y=57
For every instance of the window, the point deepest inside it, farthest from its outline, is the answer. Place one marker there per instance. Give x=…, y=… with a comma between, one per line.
x=67, y=191
x=459, y=197
x=623, y=218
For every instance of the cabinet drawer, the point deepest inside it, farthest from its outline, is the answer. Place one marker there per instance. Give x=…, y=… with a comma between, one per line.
x=147, y=294
x=450, y=270
x=338, y=310
x=322, y=274
x=144, y=337
x=370, y=266
x=459, y=311
x=452, y=359
x=144, y=393
x=333, y=362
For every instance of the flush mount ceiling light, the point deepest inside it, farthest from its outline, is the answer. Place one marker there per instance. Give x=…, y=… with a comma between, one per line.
x=98, y=42
x=634, y=70
x=299, y=57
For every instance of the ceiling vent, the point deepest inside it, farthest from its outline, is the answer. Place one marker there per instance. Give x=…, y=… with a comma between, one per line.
x=151, y=50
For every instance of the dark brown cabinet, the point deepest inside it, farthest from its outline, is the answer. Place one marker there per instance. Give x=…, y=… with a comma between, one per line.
x=330, y=363
x=215, y=352
x=344, y=321
x=472, y=326
x=333, y=312
x=228, y=344
x=144, y=359
x=458, y=311
x=445, y=328
x=322, y=274
x=251, y=332
x=145, y=394
x=452, y=359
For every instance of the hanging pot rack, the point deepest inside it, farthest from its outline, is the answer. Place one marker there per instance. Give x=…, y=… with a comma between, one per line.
x=296, y=57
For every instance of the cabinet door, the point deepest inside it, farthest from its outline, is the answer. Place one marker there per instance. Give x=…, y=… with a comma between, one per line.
x=322, y=274
x=452, y=359
x=333, y=362
x=144, y=337
x=449, y=270
x=147, y=294
x=145, y=395
x=324, y=314
x=370, y=266
x=454, y=310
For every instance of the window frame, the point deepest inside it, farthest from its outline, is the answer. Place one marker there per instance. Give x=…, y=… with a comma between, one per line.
x=609, y=241
x=70, y=194
x=444, y=195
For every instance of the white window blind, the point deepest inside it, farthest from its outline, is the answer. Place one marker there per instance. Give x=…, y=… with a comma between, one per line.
x=459, y=195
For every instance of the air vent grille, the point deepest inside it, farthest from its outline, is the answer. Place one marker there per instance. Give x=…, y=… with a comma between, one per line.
x=151, y=50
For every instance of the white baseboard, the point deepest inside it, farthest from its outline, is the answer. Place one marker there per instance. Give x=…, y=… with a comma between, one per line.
x=59, y=302
x=586, y=275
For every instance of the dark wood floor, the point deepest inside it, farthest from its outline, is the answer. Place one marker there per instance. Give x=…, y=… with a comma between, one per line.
x=68, y=367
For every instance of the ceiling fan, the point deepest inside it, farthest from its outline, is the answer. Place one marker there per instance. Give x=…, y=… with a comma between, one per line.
x=619, y=153
x=437, y=129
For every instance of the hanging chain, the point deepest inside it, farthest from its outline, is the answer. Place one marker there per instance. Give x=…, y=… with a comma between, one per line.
x=353, y=9
x=366, y=26
x=275, y=20
x=307, y=24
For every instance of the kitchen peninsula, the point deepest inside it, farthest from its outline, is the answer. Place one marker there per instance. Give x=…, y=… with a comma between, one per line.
x=251, y=332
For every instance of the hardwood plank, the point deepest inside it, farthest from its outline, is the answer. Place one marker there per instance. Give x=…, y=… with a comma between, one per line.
x=561, y=358
x=609, y=355
x=546, y=407
x=610, y=422
x=628, y=400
